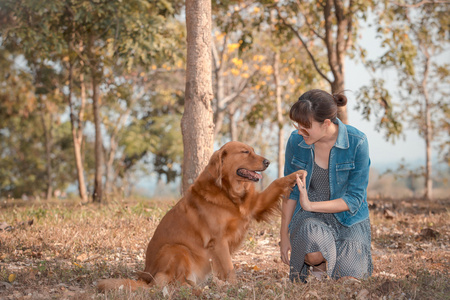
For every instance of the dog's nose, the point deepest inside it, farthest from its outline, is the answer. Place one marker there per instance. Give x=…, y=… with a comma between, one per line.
x=266, y=162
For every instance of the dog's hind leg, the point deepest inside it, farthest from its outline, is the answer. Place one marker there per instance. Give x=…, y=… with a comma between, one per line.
x=162, y=279
x=173, y=263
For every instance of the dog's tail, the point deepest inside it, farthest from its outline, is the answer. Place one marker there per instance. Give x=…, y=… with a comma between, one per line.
x=117, y=284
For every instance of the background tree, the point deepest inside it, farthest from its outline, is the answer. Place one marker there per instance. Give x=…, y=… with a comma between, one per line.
x=71, y=34
x=136, y=58
x=327, y=30
x=31, y=163
x=253, y=86
x=415, y=38
x=197, y=122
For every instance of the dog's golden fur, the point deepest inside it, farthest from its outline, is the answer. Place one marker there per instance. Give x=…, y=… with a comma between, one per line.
x=200, y=233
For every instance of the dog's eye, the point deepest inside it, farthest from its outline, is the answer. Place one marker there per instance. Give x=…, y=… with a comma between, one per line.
x=246, y=151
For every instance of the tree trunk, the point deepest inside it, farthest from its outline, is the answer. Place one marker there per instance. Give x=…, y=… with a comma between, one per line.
x=336, y=45
x=109, y=166
x=197, y=122
x=95, y=74
x=280, y=123
x=98, y=186
x=428, y=178
x=48, y=150
x=77, y=132
x=338, y=86
x=219, y=112
x=234, y=131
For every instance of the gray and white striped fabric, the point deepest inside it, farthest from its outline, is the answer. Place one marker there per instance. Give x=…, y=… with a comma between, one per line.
x=346, y=249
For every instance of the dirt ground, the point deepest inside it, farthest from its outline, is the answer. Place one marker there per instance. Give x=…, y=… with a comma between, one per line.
x=59, y=250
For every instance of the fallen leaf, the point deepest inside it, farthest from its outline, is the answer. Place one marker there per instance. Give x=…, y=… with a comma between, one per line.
x=5, y=226
x=389, y=214
x=165, y=292
x=5, y=284
x=11, y=278
x=429, y=234
x=82, y=257
x=362, y=295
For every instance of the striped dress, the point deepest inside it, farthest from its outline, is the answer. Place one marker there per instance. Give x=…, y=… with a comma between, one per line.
x=346, y=249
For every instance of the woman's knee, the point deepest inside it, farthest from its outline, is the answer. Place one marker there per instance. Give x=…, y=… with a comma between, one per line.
x=314, y=258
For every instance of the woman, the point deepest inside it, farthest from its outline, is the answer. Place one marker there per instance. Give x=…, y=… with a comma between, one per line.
x=325, y=222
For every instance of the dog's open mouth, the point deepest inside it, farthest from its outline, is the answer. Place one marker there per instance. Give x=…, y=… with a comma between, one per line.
x=251, y=175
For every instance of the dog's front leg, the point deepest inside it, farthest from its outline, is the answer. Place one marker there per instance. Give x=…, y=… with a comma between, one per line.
x=267, y=200
x=222, y=266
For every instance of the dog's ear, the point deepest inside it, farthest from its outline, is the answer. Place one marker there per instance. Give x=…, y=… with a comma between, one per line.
x=215, y=166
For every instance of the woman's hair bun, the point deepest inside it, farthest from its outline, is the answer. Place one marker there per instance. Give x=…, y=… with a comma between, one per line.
x=340, y=99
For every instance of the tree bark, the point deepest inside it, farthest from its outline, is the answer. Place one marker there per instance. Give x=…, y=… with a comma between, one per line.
x=234, y=131
x=98, y=186
x=77, y=132
x=428, y=137
x=197, y=122
x=219, y=112
x=48, y=151
x=338, y=86
x=336, y=49
x=280, y=121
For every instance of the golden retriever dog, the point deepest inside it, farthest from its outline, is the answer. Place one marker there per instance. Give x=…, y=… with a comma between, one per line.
x=200, y=233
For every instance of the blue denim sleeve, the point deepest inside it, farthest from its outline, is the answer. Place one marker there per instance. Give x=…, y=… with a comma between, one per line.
x=289, y=167
x=358, y=178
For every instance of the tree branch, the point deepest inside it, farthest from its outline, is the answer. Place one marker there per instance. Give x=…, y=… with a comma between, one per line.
x=349, y=40
x=340, y=37
x=242, y=86
x=309, y=24
x=332, y=58
x=311, y=56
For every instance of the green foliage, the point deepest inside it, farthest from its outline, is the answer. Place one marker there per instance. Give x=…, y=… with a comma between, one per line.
x=39, y=42
x=30, y=100
x=376, y=101
x=135, y=49
x=414, y=37
x=247, y=35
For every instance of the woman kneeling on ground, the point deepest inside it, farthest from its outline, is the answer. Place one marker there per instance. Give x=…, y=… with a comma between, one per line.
x=325, y=222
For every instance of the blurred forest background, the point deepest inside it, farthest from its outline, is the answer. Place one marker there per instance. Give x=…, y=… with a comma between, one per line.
x=80, y=73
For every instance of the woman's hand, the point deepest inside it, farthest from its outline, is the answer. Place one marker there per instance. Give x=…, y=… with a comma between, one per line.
x=285, y=248
x=304, y=200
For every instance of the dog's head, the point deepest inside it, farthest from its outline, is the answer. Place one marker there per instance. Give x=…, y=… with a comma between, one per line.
x=236, y=162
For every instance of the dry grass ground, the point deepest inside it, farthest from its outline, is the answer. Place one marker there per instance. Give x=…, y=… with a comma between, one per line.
x=59, y=250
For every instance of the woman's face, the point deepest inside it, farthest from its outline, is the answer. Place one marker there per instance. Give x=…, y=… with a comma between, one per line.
x=312, y=134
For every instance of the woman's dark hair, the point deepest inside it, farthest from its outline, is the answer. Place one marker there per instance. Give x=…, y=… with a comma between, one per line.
x=318, y=105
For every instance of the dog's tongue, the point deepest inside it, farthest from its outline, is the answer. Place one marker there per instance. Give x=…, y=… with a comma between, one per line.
x=250, y=174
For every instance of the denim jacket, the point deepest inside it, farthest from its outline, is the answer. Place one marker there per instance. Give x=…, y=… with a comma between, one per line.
x=348, y=167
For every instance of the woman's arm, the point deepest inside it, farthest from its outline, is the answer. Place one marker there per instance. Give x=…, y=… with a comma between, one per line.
x=331, y=206
x=287, y=210
x=358, y=178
